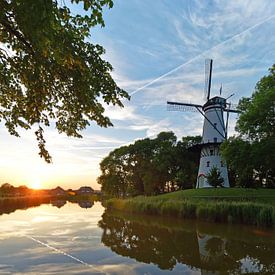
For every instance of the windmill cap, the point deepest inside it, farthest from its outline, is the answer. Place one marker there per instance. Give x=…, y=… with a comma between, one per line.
x=214, y=101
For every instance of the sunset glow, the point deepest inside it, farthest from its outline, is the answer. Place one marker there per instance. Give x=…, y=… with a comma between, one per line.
x=35, y=184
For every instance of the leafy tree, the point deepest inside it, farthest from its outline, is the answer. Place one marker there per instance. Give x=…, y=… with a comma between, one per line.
x=237, y=153
x=257, y=119
x=49, y=71
x=214, y=177
x=252, y=153
x=113, y=178
x=187, y=158
x=149, y=167
x=7, y=189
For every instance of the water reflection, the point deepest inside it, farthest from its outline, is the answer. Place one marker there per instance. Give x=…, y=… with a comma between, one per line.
x=214, y=249
x=10, y=205
x=58, y=203
x=85, y=204
x=60, y=237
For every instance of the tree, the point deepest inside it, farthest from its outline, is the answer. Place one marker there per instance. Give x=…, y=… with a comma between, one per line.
x=257, y=119
x=187, y=158
x=214, y=177
x=150, y=166
x=49, y=71
x=238, y=155
x=7, y=189
x=252, y=153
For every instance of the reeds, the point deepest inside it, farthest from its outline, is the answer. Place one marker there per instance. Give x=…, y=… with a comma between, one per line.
x=244, y=212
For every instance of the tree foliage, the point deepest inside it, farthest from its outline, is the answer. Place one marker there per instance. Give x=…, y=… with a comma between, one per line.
x=49, y=71
x=150, y=166
x=257, y=119
x=214, y=177
x=252, y=153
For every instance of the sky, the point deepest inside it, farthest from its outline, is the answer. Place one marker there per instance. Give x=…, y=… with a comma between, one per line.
x=158, y=50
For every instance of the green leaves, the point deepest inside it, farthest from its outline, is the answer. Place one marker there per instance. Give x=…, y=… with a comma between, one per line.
x=149, y=166
x=50, y=73
x=257, y=120
x=252, y=154
x=214, y=177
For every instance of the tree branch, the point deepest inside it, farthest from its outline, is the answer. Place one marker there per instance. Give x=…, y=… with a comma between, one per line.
x=16, y=33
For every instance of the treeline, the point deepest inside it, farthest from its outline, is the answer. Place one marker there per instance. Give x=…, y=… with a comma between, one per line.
x=8, y=190
x=151, y=166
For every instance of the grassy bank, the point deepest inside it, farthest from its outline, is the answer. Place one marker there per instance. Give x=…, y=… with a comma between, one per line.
x=236, y=205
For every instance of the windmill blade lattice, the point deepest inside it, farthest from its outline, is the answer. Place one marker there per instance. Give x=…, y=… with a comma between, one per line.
x=183, y=107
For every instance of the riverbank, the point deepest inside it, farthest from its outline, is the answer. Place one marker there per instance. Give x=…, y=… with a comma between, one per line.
x=234, y=205
x=74, y=198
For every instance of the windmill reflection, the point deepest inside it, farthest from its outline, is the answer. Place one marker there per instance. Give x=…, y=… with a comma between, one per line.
x=213, y=255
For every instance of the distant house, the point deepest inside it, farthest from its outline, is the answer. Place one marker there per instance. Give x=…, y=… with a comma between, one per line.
x=58, y=191
x=85, y=190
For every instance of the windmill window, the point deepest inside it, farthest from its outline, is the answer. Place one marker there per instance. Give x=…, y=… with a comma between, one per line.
x=211, y=152
x=207, y=163
x=222, y=164
x=215, y=125
x=215, y=139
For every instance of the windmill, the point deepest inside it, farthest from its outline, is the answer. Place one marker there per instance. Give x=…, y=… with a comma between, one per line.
x=215, y=129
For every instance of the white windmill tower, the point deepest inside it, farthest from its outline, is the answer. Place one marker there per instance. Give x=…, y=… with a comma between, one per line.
x=214, y=129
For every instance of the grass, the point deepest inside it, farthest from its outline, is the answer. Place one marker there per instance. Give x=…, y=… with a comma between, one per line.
x=234, y=205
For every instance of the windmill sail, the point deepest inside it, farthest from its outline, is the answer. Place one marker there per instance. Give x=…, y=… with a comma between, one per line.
x=181, y=106
x=208, y=76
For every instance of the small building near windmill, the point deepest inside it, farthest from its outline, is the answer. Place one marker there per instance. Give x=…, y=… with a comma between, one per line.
x=85, y=190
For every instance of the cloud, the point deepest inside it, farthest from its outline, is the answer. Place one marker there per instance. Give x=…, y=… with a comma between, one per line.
x=189, y=39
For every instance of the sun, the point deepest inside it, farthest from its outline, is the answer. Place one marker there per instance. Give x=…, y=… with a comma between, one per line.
x=36, y=184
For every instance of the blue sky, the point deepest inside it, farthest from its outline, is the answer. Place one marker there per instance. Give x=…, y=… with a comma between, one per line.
x=145, y=41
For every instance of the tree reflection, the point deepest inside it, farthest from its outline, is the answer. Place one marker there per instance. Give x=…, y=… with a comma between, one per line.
x=9, y=205
x=148, y=244
x=165, y=244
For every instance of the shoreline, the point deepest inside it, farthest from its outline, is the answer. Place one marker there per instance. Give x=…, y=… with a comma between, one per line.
x=61, y=197
x=245, y=208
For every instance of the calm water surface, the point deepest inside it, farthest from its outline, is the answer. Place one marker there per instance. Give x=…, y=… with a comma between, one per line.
x=67, y=238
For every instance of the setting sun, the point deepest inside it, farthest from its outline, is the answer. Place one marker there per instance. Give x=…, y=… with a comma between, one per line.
x=36, y=184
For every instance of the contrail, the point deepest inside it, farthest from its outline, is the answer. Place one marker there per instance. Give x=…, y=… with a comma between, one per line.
x=61, y=252
x=201, y=54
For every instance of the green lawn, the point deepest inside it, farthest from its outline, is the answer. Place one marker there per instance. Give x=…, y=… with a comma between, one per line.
x=232, y=194
x=234, y=205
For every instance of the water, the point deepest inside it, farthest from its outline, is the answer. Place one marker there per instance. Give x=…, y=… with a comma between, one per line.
x=71, y=238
